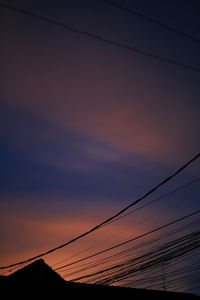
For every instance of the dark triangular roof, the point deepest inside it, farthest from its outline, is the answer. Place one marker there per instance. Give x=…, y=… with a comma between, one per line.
x=38, y=279
x=36, y=272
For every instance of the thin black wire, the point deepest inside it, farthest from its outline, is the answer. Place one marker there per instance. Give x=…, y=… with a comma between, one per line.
x=102, y=262
x=128, y=271
x=150, y=276
x=131, y=240
x=165, y=253
x=174, y=281
x=107, y=220
x=182, y=270
x=134, y=263
x=151, y=20
x=129, y=252
x=156, y=200
x=100, y=38
x=125, y=215
x=193, y=288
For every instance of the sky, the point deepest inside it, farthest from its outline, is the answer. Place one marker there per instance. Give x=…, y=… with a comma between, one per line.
x=88, y=127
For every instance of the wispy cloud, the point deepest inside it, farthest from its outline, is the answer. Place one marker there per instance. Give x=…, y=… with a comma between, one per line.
x=144, y=114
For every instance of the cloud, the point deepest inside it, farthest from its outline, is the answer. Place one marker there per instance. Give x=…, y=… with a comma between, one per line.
x=134, y=111
x=99, y=91
x=85, y=130
x=42, y=157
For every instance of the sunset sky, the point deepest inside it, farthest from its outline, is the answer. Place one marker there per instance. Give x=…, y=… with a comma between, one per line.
x=88, y=127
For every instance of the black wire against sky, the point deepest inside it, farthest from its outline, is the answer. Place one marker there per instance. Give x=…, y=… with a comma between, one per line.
x=100, y=38
x=131, y=240
x=151, y=20
x=130, y=263
x=127, y=252
x=128, y=213
x=91, y=35
x=107, y=220
x=156, y=200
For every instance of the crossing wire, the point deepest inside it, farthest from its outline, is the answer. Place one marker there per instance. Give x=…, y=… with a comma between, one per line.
x=93, y=229
x=151, y=20
x=101, y=38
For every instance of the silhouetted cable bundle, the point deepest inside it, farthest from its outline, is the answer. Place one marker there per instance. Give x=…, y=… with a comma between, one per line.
x=132, y=239
x=165, y=257
x=142, y=221
x=151, y=260
x=139, y=248
x=113, y=217
x=157, y=258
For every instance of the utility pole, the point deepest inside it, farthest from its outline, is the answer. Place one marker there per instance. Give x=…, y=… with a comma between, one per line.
x=164, y=279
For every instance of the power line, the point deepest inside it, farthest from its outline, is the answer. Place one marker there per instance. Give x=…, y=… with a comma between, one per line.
x=151, y=20
x=125, y=215
x=127, y=252
x=107, y=220
x=150, y=275
x=165, y=253
x=131, y=240
x=100, y=38
x=156, y=200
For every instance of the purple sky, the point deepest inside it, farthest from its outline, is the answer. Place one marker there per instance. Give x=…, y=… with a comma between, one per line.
x=87, y=127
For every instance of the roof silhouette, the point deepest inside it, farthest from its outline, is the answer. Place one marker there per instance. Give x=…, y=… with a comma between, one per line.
x=39, y=280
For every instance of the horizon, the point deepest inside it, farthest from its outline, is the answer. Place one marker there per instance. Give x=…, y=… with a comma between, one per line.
x=29, y=272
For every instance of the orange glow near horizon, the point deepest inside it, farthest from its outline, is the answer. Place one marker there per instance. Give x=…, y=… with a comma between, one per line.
x=30, y=235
